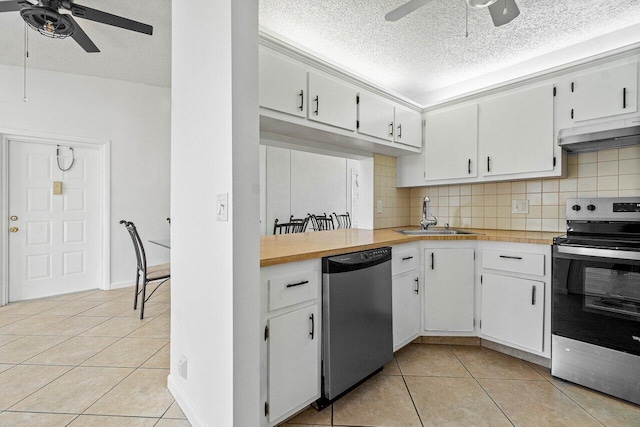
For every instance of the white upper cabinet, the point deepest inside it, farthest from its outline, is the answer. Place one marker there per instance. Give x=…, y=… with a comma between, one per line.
x=516, y=132
x=408, y=127
x=451, y=143
x=332, y=102
x=605, y=93
x=375, y=116
x=282, y=84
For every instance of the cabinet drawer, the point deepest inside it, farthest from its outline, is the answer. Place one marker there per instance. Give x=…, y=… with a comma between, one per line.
x=292, y=289
x=517, y=262
x=405, y=260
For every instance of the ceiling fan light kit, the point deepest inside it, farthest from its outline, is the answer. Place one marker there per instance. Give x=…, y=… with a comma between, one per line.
x=502, y=11
x=480, y=4
x=46, y=18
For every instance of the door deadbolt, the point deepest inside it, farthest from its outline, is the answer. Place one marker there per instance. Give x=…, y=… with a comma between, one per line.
x=13, y=218
x=13, y=229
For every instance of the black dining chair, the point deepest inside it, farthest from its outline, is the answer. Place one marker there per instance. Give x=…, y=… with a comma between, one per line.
x=145, y=274
x=295, y=225
x=342, y=221
x=321, y=222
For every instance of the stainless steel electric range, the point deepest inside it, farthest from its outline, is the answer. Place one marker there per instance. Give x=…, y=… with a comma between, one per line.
x=596, y=297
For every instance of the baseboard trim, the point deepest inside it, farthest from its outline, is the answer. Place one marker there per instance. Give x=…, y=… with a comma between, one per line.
x=520, y=354
x=474, y=341
x=185, y=404
x=119, y=285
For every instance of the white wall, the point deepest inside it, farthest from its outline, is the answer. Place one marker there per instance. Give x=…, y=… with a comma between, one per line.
x=215, y=312
x=298, y=183
x=133, y=116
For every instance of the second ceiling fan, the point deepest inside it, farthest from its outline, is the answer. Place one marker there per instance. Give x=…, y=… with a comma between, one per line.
x=502, y=11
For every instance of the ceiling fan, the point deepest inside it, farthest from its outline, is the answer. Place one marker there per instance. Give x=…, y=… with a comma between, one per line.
x=502, y=11
x=47, y=18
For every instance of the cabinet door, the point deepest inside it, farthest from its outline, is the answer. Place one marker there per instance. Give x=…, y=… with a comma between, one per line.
x=408, y=127
x=375, y=116
x=516, y=132
x=513, y=310
x=448, y=290
x=294, y=365
x=451, y=143
x=332, y=102
x=406, y=308
x=282, y=84
x=605, y=93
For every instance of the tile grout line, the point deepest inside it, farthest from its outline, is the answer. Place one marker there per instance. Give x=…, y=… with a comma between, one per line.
x=578, y=404
x=410, y=395
x=480, y=385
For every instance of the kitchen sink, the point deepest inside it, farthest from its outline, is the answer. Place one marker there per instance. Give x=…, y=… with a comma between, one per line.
x=434, y=232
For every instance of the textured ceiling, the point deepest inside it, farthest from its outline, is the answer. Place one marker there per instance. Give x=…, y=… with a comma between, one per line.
x=125, y=55
x=427, y=50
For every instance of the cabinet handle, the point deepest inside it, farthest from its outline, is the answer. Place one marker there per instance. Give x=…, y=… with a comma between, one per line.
x=291, y=285
x=488, y=164
x=624, y=97
x=391, y=129
x=407, y=257
x=510, y=257
x=313, y=326
x=432, y=261
x=301, y=100
x=417, y=290
x=469, y=166
x=533, y=295
x=317, y=101
x=400, y=131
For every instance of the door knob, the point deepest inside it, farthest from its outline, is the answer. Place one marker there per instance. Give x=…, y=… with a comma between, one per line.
x=13, y=229
x=13, y=218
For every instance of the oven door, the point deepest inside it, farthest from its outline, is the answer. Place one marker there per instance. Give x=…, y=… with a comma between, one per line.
x=596, y=296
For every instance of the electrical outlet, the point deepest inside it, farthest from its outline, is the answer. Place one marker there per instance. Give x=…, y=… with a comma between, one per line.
x=520, y=206
x=379, y=206
x=222, y=208
x=182, y=367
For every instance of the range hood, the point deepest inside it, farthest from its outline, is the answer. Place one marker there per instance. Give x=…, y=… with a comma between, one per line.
x=601, y=136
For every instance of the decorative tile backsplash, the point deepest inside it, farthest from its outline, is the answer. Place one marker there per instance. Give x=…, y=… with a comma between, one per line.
x=607, y=173
x=395, y=201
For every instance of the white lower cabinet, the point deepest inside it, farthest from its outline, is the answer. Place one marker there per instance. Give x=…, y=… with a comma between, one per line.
x=406, y=308
x=294, y=342
x=513, y=310
x=448, y=290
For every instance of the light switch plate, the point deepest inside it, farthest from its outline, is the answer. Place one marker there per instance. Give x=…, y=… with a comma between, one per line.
x=222, y=207
x=520, y=206
x=379, y=206
x=57, y=187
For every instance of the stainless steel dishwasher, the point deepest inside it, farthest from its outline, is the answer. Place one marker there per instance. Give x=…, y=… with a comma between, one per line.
x=357, y=337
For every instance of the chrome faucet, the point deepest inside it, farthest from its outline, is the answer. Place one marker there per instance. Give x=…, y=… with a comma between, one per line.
x=427, y=218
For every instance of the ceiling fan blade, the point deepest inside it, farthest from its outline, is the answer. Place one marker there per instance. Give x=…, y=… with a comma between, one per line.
x=503, y=12
x=82, y=38
x=405, y=9
x=107, y=18
x=11, y=6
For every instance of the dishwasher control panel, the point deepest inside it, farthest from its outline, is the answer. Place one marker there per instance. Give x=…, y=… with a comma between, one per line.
x=355, y=259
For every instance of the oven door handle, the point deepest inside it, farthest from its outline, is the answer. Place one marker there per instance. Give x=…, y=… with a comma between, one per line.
x=601, y=253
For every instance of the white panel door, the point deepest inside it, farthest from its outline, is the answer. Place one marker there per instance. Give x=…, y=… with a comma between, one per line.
x=332, y=102
x=605, y=93
x=448, y=290
x=451, y=143
x=375, y=116
x=294, y=360
x=408, y=127
x=56, y=248
x=278, y=194
x=283, y=84
x=406, y=308
x=318, y=184
x=516, y=132
x=513, y=310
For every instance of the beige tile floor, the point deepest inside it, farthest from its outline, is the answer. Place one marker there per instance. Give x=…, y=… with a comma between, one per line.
x=441, y=385
x=86, y=359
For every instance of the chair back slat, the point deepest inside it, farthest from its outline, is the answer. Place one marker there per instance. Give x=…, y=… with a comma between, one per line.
x=295, y=225
x=321, y=222
x=343, y=221
x=141, y=256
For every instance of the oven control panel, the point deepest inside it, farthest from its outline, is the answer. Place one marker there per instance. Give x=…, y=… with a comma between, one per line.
x=604, y=209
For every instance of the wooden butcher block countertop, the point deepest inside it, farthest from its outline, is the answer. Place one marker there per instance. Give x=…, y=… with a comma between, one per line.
x=283, y=248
